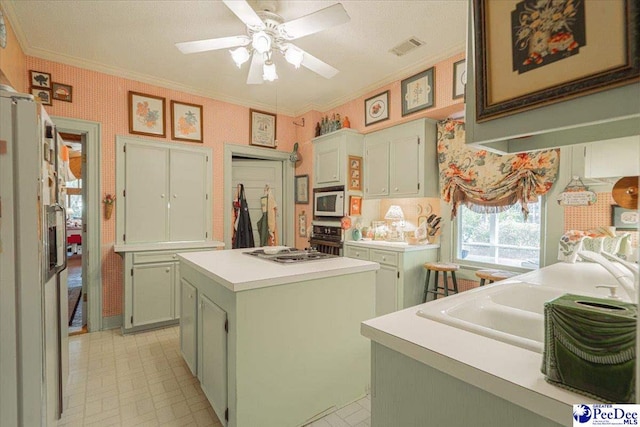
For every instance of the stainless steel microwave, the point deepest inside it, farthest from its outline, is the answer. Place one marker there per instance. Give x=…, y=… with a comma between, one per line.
x=328, y=202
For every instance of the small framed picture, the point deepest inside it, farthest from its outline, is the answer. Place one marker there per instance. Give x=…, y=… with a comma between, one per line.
x=302, y=189
x=418, y=92
x=376, y=108
x=62, y=92
x=459, y=78
x=355, y=173
x=40, y=79
x=43, y=94
x=624, y=219
x=146, y=114
x=355, y=205
x=262, y=128
x=186, y=121
x=302, y=224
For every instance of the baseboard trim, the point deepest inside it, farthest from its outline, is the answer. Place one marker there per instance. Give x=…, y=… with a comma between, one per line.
x=111, y=322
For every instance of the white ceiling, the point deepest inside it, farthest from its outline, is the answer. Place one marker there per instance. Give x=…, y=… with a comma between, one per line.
x=135, y=39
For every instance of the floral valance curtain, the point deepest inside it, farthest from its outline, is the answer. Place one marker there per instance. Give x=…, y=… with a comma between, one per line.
x=487, y=182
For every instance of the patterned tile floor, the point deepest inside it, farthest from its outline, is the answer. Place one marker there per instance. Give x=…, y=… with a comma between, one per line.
x=142, y=380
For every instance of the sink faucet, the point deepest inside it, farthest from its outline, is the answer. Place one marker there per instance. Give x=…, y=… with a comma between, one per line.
x=625, y=279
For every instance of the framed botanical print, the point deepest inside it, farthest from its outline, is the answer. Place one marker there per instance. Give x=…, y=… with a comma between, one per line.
x=186, y=121
x=459, y=78
x=262, y=128
x=355, y=173
x=302, y=189
x=355, y=205
x=40, y=79
x=418, y=92
x=146, y=114
x=376, y=108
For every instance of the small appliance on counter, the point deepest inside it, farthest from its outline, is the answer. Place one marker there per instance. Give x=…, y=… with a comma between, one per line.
x=590, y=346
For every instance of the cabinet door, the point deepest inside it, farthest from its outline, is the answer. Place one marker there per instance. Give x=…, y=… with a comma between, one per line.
x=386, y=290
x=212, y=354
x=146, y=186
x=153, y=287
x=377, y=169
x=188, y=202
x=404, y=167
x=612, y=158
x=188, y=310
x=327, y=162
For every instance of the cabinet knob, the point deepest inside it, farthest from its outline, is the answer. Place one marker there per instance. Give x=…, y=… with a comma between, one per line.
x=175, y=196
x=384, y=258
x=162, y=196
x=395, y=189
x=335, y=176
x=190, y=296
x=175, y=256
x=168, y=269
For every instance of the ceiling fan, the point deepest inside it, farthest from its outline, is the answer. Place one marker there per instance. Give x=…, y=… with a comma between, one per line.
x=266, y=33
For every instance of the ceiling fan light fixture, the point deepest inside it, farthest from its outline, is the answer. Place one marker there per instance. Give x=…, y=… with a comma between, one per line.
x=269, y=73
x=240, y=55
x=294, y=56
x=261, y=42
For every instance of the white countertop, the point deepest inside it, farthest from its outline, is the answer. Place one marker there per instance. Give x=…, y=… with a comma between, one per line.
x=504, y=370
x=390, y=246
x=239, y=272
x=138, y=247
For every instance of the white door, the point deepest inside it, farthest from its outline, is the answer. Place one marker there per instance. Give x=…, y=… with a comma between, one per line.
x=255, y=175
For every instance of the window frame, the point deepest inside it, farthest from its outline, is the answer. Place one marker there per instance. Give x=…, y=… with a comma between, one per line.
x=456, y=236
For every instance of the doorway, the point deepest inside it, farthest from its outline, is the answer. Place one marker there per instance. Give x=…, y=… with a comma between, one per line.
x=76, y=217
x=285, y=202
x=257, y=176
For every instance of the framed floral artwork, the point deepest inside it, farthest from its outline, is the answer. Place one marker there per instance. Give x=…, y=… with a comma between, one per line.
x=43, y=94
x=355, y=173
x=62, y=92
x=146, y=114
x=302, y=189
x=376, y=108
x=186, y=121
x=532, y=53
x=418, y=92
x=40, y=79
x=262, y=128
x=355, y=205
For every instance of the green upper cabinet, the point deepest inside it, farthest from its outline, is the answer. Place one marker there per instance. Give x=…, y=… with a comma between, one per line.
x=163, y=192
x=401, y=161
x=331, y=154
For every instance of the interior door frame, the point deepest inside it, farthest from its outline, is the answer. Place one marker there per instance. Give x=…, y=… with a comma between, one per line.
x=288, y=173
x=91, y=256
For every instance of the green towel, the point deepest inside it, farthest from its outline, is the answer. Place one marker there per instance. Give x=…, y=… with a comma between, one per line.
x=590, y=346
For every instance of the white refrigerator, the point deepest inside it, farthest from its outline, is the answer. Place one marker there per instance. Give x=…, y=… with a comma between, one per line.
x=33, y=276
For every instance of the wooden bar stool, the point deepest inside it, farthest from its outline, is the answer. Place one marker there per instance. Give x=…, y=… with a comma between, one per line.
x=436, y=267
x=493, y=275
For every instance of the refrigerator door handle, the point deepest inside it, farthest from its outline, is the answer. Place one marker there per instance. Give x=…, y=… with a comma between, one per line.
x=61, y=238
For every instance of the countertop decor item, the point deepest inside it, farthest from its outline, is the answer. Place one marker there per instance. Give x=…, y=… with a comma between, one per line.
x=625, y=192
x=146, y=114
x=552, y=39
x=418, y=92
x=376, y=108
x=396, y=216
x=186, y=122
x=262, y=128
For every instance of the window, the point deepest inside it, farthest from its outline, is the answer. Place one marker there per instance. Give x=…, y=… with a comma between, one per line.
x=74, y=199
x=503, y=239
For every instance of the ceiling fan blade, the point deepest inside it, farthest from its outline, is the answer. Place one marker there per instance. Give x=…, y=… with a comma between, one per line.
x=212, y=44
x=317, y=66
x=315, y=22
x=245, y=13
x=255, y=70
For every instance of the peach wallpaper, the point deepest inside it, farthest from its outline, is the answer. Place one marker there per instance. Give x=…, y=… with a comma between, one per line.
x=103, y=98
x=12, y=61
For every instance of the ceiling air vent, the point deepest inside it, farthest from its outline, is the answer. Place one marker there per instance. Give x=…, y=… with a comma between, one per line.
x=406, y=46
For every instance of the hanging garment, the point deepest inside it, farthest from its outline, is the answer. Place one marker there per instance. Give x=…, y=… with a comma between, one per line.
x=272, y=209
x=263, y=223
x=243, y=237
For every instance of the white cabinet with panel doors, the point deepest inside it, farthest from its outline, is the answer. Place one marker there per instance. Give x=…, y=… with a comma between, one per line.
x=331, y=156
x=400, y=279
x=162, y=192
x=401, y=161
x=152, y=291
x=188, y=324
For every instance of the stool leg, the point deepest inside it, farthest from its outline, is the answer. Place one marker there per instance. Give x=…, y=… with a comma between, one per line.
x=435, y=286
x=446, y=285
x=490, y=281
x=482, y=282
x=426, y=286
x=455, y=282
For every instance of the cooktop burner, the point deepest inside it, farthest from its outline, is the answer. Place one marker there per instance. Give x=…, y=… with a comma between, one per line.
x=291, y=255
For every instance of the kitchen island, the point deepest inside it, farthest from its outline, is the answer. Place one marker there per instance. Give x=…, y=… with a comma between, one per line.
x=276, y=344
x=427, y=370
